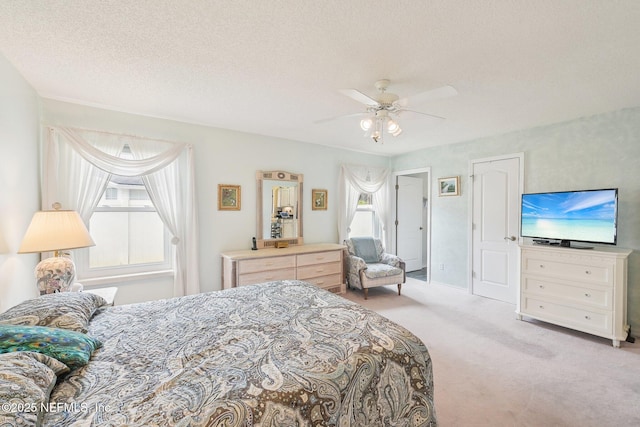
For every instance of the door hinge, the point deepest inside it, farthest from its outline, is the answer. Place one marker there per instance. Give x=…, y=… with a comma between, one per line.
x=397, y=187
x=396, y=222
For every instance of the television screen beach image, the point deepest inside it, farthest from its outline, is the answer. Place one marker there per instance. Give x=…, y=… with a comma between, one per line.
x=586, y=216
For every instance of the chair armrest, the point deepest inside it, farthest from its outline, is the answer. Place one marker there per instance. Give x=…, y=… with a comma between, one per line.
x=355, y=263
x=393, y=260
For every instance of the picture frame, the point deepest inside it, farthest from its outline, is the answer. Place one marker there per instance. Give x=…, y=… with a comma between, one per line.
x=449, y=186
x=229, y=197
x=319, y=199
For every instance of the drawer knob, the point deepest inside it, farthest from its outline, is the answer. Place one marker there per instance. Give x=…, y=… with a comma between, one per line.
x=587, y=272
x=542, y=307
x=587, y=295
x=320, y=282
x=587, y=317
x=541, y=265
x=541, y=286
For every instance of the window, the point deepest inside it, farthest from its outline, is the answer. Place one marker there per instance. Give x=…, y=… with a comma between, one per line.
x=365, y=222
x=111, y=193
x=130, y=237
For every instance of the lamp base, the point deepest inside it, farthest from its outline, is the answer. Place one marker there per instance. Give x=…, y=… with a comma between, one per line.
x=55, y=274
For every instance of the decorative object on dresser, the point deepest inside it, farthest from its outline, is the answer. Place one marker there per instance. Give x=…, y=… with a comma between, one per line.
x=369, y=266
x=319, y=200
x=320, y=264
x=55, y=230
x=585, y=290
x=279, y=208
x=229, y=197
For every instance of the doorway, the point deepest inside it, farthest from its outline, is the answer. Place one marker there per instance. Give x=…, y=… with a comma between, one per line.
x=412, y=221
x=497, y=184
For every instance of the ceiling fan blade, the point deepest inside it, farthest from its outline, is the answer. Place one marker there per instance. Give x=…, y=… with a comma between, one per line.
x=433, y=116
x=359, y=96
x=330, y=119
x=430, y=95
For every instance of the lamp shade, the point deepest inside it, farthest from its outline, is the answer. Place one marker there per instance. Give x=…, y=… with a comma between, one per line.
x=54, y=231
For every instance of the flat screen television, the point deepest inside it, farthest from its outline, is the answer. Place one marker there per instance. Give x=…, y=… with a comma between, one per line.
x=571, y=216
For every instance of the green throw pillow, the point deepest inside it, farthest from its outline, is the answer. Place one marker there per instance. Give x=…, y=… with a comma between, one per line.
x=71, y=348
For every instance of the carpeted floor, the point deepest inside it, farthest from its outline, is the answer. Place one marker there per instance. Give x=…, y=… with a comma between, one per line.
x=493, y=370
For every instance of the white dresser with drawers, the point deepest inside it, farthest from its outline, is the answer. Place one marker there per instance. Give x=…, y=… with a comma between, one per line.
x=320, y=264
x=581, y=289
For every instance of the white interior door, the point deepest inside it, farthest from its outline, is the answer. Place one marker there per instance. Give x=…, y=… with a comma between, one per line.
x=496, y=211
x=410, y=230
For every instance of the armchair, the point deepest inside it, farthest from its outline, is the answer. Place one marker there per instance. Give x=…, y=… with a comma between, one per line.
x=369, y=266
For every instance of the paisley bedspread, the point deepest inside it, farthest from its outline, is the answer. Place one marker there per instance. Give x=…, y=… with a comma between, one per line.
x=275, y=354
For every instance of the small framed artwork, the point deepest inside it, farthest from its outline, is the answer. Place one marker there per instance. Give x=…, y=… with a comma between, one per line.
x=319, y=200
x=449, y=186
x=229, y=197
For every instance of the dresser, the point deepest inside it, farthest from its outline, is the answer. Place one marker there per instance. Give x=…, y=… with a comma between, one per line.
x=320, y=264
x=581, y=289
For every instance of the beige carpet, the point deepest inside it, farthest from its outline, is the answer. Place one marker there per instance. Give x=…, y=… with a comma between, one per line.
x=493, y=370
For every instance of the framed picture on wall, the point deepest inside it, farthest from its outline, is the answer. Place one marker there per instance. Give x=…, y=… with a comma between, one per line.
x=449, y=186
x=319, y=200
x=229, y=197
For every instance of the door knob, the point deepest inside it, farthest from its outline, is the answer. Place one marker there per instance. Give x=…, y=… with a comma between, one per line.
x=512, y=238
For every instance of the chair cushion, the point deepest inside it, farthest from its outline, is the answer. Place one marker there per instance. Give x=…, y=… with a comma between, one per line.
x=365, y=248
x=377, y=270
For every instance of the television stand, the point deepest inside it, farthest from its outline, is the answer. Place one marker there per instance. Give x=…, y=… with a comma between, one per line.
x=567, y=244
x=585, y=291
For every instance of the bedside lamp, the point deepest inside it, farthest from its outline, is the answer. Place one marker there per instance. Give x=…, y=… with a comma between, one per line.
x=55, y=230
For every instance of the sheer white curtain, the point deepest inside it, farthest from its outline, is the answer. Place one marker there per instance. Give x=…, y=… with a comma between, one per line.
x=64, y=165
x=77, y=168
x=173, y=196
x=356, y=179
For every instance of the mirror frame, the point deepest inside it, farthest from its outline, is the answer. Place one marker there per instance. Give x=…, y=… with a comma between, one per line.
x=277, y=176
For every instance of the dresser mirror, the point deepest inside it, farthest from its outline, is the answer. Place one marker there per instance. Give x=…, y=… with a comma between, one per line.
x=279, y=209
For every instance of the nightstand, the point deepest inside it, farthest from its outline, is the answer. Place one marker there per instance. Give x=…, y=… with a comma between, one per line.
x=109, y=294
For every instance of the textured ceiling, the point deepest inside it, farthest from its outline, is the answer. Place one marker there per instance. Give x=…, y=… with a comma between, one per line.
x=275, y=67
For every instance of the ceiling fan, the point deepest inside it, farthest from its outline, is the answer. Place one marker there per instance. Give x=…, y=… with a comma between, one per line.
x=383, y=110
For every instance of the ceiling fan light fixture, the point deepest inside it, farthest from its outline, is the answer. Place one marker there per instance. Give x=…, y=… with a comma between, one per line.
x=381, y=108
x=392, y=126
x=365, y=124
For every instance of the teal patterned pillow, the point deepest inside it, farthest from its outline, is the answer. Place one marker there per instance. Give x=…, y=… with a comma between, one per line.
x=71, y=348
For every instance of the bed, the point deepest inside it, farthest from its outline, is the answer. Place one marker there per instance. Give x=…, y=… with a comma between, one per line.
x=274, y=354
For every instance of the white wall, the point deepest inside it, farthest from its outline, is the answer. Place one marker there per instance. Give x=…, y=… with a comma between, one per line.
x=602, y=151
x=19, y=180
x=224, y=157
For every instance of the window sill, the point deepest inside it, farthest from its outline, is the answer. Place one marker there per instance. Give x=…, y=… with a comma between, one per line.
x=122, y=279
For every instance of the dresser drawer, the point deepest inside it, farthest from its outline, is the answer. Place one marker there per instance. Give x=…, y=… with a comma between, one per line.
x=326, y=281
x=263, y=264
x=595, y=273
x=593, y=297
x=577, y=318
x=305, y=273
x=266, y=276
x=319, y=258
